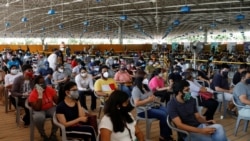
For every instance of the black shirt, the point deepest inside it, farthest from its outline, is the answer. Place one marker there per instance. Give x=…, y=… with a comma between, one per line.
x=236, y=78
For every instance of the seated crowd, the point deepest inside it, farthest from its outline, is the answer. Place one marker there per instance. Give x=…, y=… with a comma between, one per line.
x=59, y=85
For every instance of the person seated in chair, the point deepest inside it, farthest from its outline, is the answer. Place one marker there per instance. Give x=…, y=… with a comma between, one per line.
x=183, y=112
x=118, y=123
x=105, y=85
x=156, y=84
x=124, y=79
x=21, y=88
x=195, y=88
x=241, y=93
x=237, y=75
x=70, y=113
x=85, y=87
x=42, y=99
x=220, y=84
x=142, y=96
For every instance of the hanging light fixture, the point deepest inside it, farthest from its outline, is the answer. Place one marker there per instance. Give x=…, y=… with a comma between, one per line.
x=61, y=26
x=185, y=9
x=24, y=18
x=86, y=23
x=7, y=24
x=176, y=22
x=240, y=17
x=51, y=12
x=123, y=17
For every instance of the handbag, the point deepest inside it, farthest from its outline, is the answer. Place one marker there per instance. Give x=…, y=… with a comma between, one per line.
x=206, y=95
x=92, y=121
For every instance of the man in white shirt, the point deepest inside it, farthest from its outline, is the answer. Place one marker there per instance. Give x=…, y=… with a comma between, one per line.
x=84, y=82
x=52, y=59
x=76, y=69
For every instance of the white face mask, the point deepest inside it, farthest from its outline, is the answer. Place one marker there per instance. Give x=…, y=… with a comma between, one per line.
x=105, y=74
x=14, y=71
x=160, y=74
x=60, y=70
x=150, y=63
x=84, y=74
x=62, y=49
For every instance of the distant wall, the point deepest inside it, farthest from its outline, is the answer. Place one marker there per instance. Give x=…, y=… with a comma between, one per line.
x=116, y=48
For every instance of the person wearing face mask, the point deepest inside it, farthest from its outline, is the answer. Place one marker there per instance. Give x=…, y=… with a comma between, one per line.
x=76, y=69
x=124, y=79
x=241, y=93
x=59, y=77
x=70, y=113
x=220, y=84
x=9, y=79
x=47, y=73
x=183, y=113
x=195, y=88
x=237, y=76
x=105, y=85
x=21, y=88
x=150, y=68
x=85, y=87
x=157, y=85
x=42, y=99
x=13, y=61
x=118, y=123
x=52, y=59
x=143, y=97
x=174, y=76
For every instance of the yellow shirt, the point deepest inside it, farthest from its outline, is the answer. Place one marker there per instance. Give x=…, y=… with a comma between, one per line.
x=106, y=86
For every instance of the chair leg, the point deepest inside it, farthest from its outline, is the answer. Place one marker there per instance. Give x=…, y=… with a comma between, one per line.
x=245, y=125
x=32, y=131
x=148, y=127
x=99, y=114
x=237, y=126
x=225, y=109
x=18, y=116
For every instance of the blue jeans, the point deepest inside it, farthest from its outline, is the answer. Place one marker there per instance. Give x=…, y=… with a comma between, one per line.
x=126, y=89
x=218, y=135
x=160, y=114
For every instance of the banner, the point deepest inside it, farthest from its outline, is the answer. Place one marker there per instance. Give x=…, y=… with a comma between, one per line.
x=214, y=47
x=175, y=46
x=186, y=46
x=231, y=47
x=247, y=46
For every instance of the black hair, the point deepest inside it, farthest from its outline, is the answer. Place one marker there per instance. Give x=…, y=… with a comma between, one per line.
x=156, y=72
x=64, y=87
x=243, y=66
x=243, y=74
x=25, y=67
x=102, y=67
x=37, y=78
x=225, y=66
x=179, y=86
x=82, y=68
x=111, y=109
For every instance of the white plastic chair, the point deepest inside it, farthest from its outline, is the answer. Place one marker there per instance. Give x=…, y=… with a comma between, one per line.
x=32, y=126
x=240, y=117
x=179, y=131
x=148, y=120
x=64, y=132
x=101, y=106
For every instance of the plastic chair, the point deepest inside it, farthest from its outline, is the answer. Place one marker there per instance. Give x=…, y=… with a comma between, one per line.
x=64, y=132
x=240, y=117
x=148, y=120
x=32, y=126
x=179, y=131
x=224, y=102
x=102, y=102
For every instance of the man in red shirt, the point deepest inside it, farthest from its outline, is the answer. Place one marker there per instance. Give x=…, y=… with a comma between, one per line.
x=42, y=99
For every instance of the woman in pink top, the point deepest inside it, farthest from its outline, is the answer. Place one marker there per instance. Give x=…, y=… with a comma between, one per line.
x=156, y=84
